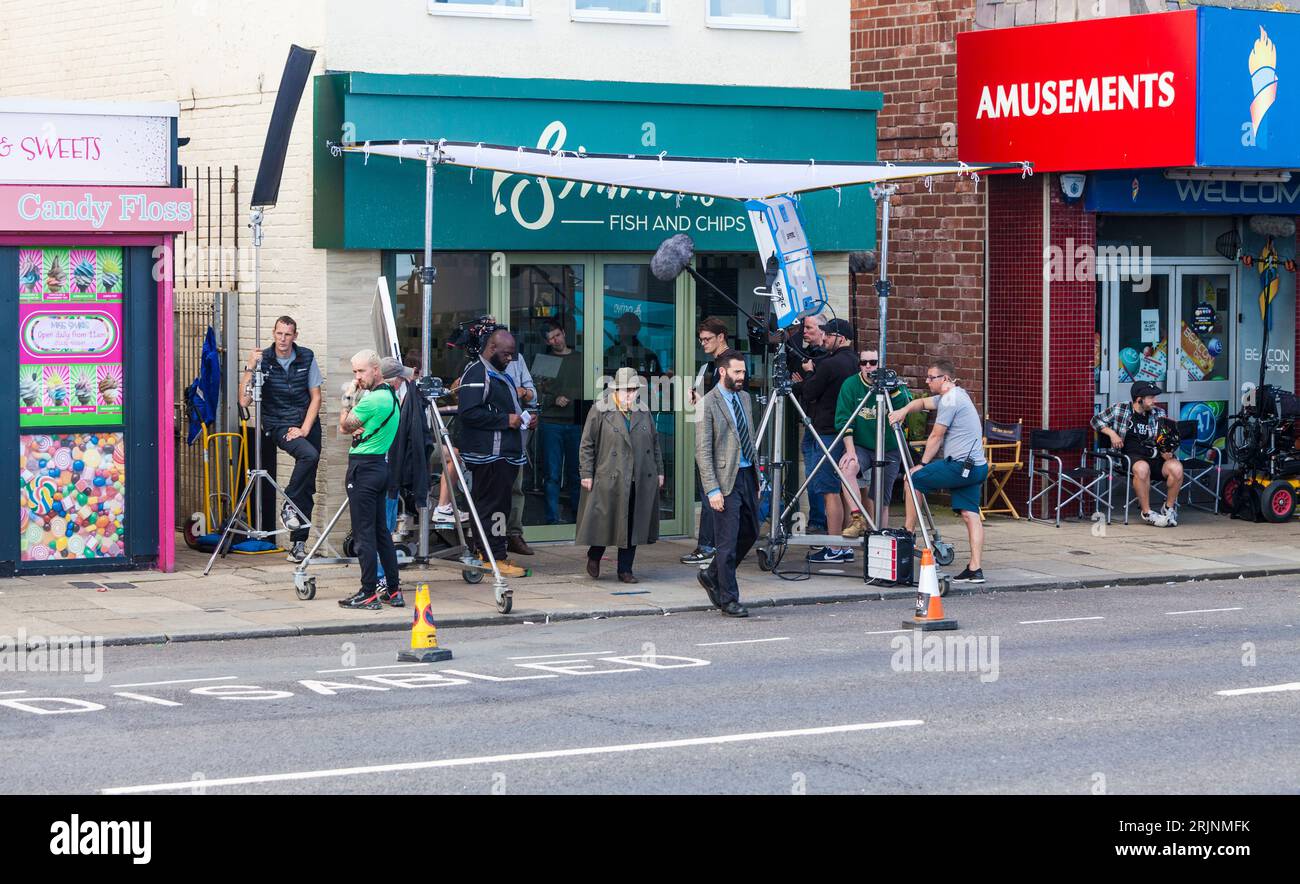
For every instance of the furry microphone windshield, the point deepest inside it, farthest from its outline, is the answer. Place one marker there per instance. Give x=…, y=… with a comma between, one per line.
x=672, y=257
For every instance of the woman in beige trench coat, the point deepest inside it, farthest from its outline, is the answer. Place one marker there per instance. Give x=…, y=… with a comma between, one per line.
x=622, y=469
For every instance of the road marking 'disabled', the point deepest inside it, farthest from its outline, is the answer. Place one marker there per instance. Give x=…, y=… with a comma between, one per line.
x=574, y=654
x=1270, y=689
x=367, y=668
x=7, y=693
x=1062, y=620
x=144, y=698
x=502, y=759
x=747, y=641
x=151, y=684
x=1202, y=611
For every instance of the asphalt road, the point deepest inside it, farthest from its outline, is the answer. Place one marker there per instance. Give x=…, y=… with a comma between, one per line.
x=1118, y=691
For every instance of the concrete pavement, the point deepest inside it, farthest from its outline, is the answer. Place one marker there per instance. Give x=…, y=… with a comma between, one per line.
x=254, y=596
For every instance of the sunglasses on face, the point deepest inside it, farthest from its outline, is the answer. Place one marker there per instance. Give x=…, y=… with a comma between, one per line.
x=868, y=362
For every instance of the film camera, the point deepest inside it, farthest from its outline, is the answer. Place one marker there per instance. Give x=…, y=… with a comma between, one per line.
x=1262, y=436
x=472, y=334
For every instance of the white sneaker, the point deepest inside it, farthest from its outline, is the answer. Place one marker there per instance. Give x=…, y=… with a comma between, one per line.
x=1171, y=515
x=446, y=514
x=1157, y=519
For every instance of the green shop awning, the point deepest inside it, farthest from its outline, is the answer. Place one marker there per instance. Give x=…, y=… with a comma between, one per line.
x=380, y=204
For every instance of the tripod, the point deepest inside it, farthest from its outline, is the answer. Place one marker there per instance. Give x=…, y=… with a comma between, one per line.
x=256, y=476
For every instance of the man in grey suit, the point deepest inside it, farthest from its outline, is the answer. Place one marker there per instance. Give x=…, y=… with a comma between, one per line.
x=725, y=452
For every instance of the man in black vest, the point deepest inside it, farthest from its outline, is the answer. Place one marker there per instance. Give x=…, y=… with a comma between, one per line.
x=290, y=404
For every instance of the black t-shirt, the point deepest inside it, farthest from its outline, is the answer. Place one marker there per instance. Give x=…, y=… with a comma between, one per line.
x=1140, y=440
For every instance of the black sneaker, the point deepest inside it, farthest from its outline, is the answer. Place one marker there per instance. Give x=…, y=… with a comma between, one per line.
x=297, y=552
x=703, y=555
x=969, y=576
x=829, y=555
x=393, y=599
x=364, y=600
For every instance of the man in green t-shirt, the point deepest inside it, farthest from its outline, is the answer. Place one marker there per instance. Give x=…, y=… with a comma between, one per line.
x=862, y=433
x=372, y=421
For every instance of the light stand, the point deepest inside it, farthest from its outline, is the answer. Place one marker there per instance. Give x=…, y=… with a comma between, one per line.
x=256, y=476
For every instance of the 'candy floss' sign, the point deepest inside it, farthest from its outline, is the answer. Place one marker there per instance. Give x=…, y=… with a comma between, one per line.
x=96, y=209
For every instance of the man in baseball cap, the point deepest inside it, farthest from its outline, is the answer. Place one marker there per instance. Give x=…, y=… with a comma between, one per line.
x=392, y=368
x=1131, y=427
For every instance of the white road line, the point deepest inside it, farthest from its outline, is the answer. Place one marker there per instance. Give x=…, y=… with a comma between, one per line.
x=1271, y=689
x=364, y=668
x=7, y=693
x=1202, y=611
x=1062, y=620
x=145, y=699
x=748, y=641
x=149, y=684
x=886, y=631
x=517, y=756
x=574, y=654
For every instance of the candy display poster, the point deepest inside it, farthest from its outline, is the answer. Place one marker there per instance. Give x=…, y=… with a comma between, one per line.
x=70, y=337
x=72, y=496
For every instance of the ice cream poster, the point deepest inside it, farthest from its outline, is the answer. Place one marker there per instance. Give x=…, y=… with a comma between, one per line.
x=62, y=275
x=70, y=365
x=72, y=496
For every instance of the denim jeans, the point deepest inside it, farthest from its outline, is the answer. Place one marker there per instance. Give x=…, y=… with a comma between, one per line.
x=560, y=459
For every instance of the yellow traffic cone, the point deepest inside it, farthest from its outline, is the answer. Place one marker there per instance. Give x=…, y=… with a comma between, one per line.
x=424, y=634
x=929, y=604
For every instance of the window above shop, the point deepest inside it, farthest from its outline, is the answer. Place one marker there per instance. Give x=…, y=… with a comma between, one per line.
x=482, y=8
x=630, y=12
x=771, y=15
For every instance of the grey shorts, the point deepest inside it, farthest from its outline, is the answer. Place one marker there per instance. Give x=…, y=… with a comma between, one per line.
x=893, y=462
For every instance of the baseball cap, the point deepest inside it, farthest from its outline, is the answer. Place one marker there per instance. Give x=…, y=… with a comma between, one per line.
x=839, y=327
x=1143, y=388
x=391, y=367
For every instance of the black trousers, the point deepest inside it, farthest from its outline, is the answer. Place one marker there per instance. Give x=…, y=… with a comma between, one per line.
x=367, y=484
x=301, y=489
x=626, y=555
x=735, y=530
x=493, y=485
x=705, y=538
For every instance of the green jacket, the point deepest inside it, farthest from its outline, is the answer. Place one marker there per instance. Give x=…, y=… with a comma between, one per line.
x=863, y=431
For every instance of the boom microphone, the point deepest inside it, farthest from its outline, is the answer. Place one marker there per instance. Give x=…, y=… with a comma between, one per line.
x=862, y=262
x=672, y=257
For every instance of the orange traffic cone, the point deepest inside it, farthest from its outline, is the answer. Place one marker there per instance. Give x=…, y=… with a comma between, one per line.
x=424, y=634
x=929, y=604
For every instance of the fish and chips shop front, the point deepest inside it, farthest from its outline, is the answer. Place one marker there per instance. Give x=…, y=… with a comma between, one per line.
x=88, y=209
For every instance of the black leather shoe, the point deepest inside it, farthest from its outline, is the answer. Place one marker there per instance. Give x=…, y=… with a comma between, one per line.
x=709, y=586
x=515, y=544
x=593, y=568
x=627, y=577
x=734, y=609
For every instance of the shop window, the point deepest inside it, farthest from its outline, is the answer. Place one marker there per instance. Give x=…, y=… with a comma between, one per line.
x=738, y=276
x=766, y=14
x=483, y=8
x=638, y=12
x=459, y=296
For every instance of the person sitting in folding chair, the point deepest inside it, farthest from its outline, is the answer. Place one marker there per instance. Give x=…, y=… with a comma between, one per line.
x=1132, y=428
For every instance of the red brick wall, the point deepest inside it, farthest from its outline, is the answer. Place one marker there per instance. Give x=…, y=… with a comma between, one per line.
x=908, y=51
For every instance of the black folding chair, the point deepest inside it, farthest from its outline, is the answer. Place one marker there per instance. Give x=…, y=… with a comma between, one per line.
x=1122, y=470
x=1086, y=483
x=1201, y=467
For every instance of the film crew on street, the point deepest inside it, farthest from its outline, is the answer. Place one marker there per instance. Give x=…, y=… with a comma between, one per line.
x=820, y=395
x=490, y=440
x=860, y=445
x=806, y=348
x=727, y=459
x=290, y=407
x=622, y=469
x=561, y=425
x=1132, y=428
x=712, y=334
x=953, y=459
x=370, y=414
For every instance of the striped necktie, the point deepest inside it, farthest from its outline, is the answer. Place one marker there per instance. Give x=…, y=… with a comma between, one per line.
x=742, y=429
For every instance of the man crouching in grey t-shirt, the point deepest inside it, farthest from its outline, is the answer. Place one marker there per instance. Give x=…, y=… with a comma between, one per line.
x=953, y=459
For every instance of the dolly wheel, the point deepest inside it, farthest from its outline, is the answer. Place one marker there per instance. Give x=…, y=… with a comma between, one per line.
x=471, y=575
x=1230, y=493
x=193, y=531
x=1279, y=501
x=506, y=602
x=305, y=587
x=945, y=584
x=764, y=558
x=944, y=554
